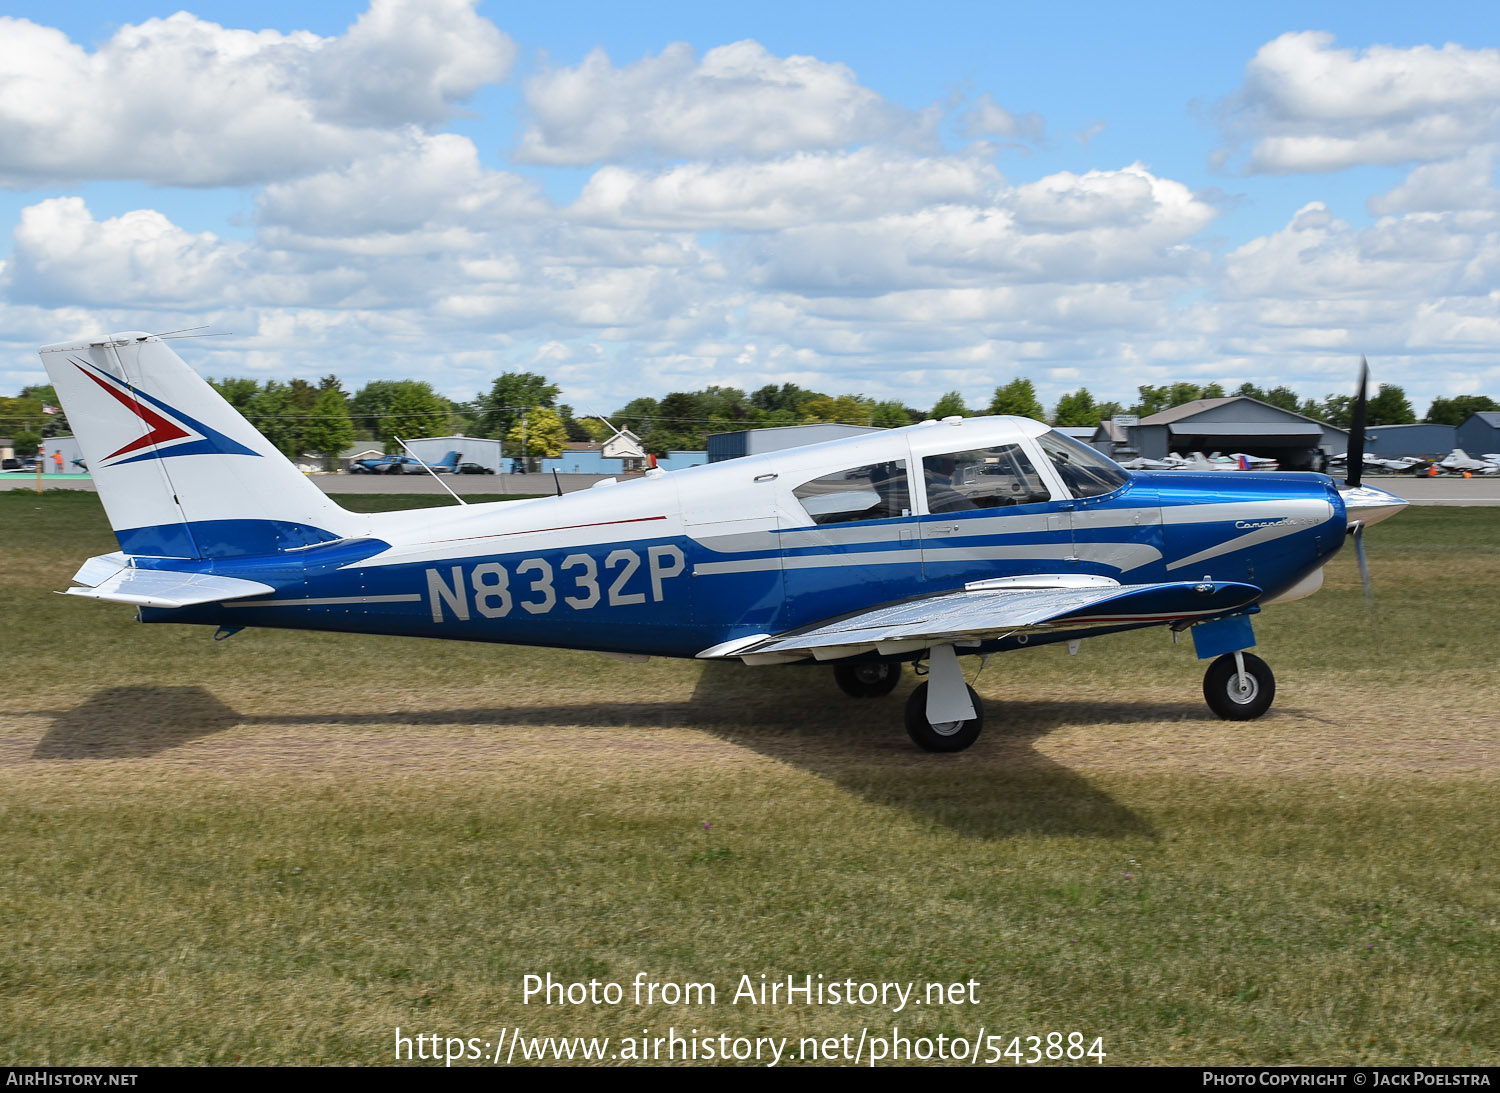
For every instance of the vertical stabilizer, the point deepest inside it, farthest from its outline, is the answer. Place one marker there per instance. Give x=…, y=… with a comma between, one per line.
x=180, y=472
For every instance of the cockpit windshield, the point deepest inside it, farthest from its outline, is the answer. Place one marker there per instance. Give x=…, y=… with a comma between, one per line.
x=1084, y=471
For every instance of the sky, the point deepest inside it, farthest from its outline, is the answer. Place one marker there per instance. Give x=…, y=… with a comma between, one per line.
x=893, y=199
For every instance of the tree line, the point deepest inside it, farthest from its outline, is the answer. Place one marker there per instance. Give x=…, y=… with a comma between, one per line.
x=323, y=418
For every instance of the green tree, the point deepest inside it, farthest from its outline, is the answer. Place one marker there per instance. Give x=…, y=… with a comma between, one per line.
x=53, y=424
x=544, y=434
x=236, y=391
x=950, y=405
x=638, y=415
x=889, y=415
x=1391, y=407
x=415, y=410
x=1018, y=397
x=26, y=442
x=511, y=393
x=21, y=413
x=1077, y=409
x=1458, y=409
x=1336, y=410
x=788, y=398
x=845, y=409
x=1283, y=397
x=596, y=429
x=328, y=429
x=1312, y=408
x=271, y=411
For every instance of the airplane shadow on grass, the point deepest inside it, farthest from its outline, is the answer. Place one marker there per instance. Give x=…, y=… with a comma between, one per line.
x=1000, y=787
x=134, y=723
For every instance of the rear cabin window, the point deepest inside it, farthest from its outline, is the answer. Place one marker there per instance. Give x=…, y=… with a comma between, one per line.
x=984, y=478
x=1084, y=471
x=877, y=491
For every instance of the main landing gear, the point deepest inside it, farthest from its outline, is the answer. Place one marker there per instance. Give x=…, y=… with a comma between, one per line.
x=954, y=735
x=869, y=679
x=943, y=714
x=1239, y=686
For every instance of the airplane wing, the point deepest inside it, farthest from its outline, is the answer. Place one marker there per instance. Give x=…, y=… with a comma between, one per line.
x=991, y=609
x=110, y=577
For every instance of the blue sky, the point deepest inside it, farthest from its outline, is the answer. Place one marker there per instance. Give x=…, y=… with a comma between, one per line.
x=940, y=196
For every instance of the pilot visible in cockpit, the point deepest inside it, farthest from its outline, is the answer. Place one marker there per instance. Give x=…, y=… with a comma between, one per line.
x=938, y=471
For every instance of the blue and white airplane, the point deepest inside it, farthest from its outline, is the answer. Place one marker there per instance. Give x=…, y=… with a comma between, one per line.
x=917, y=545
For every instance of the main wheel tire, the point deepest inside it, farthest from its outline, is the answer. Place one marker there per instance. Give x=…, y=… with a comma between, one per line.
x=948, y=736
x=871, y=679
x=1221, y=687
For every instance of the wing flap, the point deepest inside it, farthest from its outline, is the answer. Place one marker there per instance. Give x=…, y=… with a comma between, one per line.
x=982, y=613
x=164, y=588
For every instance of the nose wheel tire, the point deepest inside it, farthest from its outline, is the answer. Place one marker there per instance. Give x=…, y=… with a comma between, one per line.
x=1235, y=699
x=872, y=679
x=946, y=735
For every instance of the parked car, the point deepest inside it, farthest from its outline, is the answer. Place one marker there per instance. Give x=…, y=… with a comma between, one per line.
x=473, y=468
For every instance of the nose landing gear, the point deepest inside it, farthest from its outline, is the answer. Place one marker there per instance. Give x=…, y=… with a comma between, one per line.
x=1239, y=686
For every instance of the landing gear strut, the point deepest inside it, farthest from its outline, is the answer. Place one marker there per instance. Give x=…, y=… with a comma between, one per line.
x=941, y=735
x=872, y=679
x=944, y=714
x=1239, y=686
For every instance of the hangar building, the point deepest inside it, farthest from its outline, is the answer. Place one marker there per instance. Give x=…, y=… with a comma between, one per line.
x=722, y=446
x=1237, y=423
x=1480, y=434
x=1395, y=441
x=471, y=449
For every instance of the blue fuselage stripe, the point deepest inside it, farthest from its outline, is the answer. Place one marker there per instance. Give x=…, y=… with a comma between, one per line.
x=671, y=596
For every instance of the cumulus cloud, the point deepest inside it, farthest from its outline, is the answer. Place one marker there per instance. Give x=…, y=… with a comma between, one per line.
x=182, y=101
x=739, y=100
x=1450, y=186
x=1308, y=106
x=431, y=190
x=1106, y=225
x=61, y=254
x=798, y=189
x=1318, y=256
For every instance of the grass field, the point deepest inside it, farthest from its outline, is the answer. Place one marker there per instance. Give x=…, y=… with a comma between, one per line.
x=281, y=847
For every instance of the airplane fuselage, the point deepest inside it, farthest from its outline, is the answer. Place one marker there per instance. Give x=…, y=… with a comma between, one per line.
x=673, y=564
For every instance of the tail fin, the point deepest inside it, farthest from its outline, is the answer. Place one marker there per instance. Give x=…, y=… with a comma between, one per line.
x=180, y=472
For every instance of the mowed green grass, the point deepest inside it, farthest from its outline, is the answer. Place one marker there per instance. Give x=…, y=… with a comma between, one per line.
x=281, y=847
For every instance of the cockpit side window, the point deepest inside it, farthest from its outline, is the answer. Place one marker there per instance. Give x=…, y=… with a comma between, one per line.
x=1084, y=471
x=984, y=478
x=876, y=491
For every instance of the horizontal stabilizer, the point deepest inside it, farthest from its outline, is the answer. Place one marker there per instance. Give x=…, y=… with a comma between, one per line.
x=984, y=613
x=163, y=588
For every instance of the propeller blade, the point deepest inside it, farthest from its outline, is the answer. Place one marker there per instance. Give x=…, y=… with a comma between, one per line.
x=1358, y=532
x=1355, y=465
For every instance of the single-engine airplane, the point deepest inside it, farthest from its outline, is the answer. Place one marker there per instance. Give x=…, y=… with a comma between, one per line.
x=919, y=544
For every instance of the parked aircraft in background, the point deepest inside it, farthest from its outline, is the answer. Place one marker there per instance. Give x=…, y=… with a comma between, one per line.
x=1458, y=461
x=1406, y=464
x=916, y=545
x=1141, y=463
x=404, y=464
